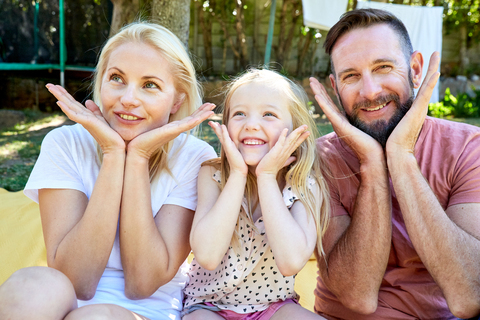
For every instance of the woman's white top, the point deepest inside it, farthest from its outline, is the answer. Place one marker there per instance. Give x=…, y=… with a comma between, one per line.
x=68, y=160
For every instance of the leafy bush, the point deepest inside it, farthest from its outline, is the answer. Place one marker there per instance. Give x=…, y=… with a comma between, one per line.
x=461, y=106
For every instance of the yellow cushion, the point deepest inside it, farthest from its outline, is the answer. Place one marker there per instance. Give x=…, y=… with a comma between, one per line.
x=21, y=236
x=22, y=245
x=305, y=283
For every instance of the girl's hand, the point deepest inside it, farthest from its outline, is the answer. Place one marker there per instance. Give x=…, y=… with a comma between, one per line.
x=234, y=157
x=90, y=117
x=280, y=155
x=148, y=142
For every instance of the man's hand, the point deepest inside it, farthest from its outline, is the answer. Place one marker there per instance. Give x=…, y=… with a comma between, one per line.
x=404, y=137
x=364, y=146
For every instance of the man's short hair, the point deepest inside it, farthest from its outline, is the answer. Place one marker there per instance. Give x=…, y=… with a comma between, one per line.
x=363, y=18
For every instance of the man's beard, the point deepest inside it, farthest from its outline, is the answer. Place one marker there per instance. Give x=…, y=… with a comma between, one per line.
x=380, y=129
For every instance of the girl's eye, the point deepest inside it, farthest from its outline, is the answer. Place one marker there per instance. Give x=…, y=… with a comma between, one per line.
x=269, y=114
x=238, y=113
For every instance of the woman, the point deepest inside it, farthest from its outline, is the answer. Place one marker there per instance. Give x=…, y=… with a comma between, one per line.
x=117, y=191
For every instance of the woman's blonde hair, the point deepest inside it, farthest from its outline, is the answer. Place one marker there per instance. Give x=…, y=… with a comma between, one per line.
x=183, y=72
x=307, y=165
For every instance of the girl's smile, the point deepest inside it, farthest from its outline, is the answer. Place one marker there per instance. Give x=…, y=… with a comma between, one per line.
x=255, y=124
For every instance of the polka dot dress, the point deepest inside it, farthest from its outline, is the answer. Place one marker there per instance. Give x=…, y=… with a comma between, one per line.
x=247, y=281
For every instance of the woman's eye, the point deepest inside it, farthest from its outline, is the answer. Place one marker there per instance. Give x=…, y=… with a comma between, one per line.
x=151, y=85
x=116, y=78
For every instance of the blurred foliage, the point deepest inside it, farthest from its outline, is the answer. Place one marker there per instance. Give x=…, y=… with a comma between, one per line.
x=460, y=106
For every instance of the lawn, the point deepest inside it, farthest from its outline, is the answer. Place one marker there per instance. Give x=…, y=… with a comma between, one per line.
x=20, y=145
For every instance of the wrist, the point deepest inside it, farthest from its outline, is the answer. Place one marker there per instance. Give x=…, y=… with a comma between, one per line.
x=137, y=158
x=401, y=163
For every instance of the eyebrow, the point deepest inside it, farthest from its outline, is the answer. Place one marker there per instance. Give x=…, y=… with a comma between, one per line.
x=378, y=61
x=263, y=105
x=144, y=77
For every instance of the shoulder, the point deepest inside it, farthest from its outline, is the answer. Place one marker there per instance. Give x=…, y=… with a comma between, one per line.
x=449, y=136
x=209, y=177
x=69, y=136
x=188, y=145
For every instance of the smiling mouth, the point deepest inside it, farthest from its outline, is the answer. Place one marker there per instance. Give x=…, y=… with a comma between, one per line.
x=253, y=142
x=375, y=108
x=128, y=117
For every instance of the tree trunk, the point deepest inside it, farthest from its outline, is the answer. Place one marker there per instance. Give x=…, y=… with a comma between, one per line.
x=241, y=38
x=285, y=38
x=173, y=15
x=206, y=26
x=124, y=12
x=302, y=51
x=463, y=49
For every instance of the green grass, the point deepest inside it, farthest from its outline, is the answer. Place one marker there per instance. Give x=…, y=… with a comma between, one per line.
x=20, y=145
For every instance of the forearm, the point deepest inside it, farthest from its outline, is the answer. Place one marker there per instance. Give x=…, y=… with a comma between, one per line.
x=211, y=235
x=145, y=258
x=450, y=254
x=83, y=253
x=356, y=265
x=291, y=244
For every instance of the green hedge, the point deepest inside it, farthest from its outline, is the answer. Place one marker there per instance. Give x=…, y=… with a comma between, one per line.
x=461, y=106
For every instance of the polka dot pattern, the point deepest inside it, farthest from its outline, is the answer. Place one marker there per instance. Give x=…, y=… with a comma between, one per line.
x=247, y=281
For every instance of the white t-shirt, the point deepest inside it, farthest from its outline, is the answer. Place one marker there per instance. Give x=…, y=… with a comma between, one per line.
x=68, y=160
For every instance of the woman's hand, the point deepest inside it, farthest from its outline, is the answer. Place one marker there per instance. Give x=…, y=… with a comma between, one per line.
x=148, y=142
x=90, y=117
x=234, y=157
x=280, y=155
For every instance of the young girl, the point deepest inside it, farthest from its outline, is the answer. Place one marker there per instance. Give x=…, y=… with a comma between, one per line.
x=260, y=206
x=116, y=222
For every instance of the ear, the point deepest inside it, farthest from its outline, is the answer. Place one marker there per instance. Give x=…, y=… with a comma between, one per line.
x=416, y=67
x=178, y=103
x=333, y=84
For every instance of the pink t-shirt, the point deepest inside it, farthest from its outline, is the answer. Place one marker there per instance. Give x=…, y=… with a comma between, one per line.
x=448, y=154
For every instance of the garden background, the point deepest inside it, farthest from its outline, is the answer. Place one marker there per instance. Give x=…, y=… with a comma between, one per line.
x=224, y=38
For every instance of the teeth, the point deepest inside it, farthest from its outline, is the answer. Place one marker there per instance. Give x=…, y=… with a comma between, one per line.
x=253, y=142
x=376, y=108
x=127, y=117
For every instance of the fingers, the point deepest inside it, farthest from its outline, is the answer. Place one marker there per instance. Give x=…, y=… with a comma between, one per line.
x=287, y=145
x=431, y=78
x=325, y=102
x=92, y=106
x=66, y=102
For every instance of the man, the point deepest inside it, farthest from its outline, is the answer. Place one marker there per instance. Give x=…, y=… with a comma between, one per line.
x=403, y=240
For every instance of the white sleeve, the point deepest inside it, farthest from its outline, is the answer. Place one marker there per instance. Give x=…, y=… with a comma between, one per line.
x=58, y=165
x=184, y=194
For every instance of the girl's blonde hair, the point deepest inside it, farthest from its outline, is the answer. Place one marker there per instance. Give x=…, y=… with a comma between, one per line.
x=307, y=164
x=183, y=71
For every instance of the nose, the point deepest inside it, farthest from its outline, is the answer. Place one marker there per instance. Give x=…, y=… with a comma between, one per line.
x=252, y=124
x=371, y=87
x=129, y=99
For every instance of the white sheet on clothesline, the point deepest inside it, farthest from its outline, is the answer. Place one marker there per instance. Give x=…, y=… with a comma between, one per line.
x=322, y=14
